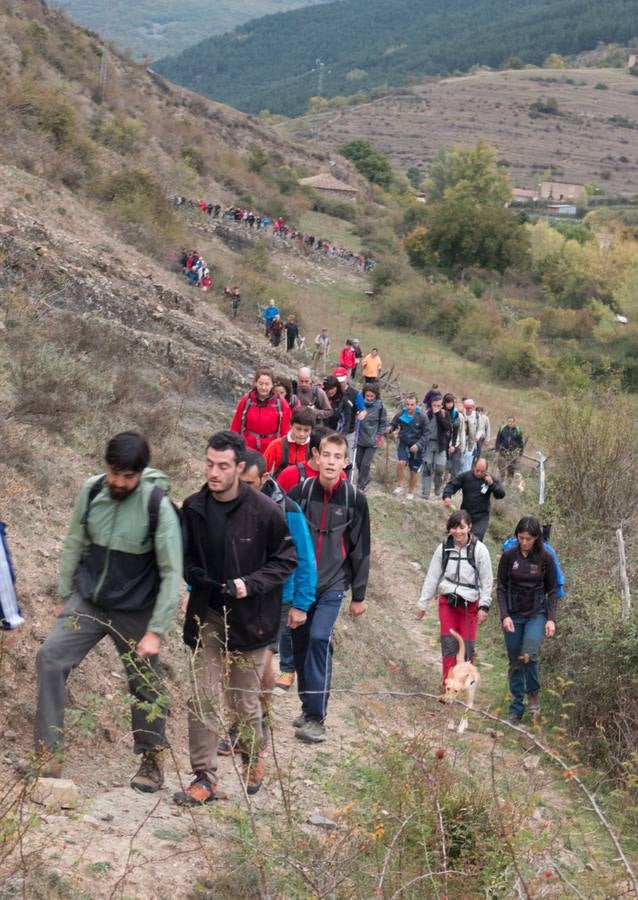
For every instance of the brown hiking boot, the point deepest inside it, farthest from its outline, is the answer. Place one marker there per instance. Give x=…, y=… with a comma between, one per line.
x=199, y=792
x=150, y=776
x=44, y=765
x=534, y=703
x=253, y=775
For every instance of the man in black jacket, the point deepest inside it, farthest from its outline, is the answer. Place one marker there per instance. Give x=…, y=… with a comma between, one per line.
x=340, y=527
x=237, y=554
x=478, y=487
x=435, y=456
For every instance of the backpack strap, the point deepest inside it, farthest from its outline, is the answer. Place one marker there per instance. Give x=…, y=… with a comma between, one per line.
x=94, y=490
x=446, y=547
x=154, y=501
x=285, y=456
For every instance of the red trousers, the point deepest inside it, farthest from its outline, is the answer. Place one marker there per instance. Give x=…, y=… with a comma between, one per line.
x=464, y=620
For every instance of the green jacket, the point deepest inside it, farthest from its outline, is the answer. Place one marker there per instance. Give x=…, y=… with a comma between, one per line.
x=112, y=563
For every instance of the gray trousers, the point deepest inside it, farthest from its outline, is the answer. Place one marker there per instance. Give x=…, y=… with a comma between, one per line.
x=364, y=458
x=239, y=674
x=78, y=628
x=433, y=466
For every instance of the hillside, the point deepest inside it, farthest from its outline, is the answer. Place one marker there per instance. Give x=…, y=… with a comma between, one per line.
x=364, y=45
x=99, y=331
x=592, y=139
x=160, y=27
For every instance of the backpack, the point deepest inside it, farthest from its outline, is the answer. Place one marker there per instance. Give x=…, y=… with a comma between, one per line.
x=154, y=501
x=304, y=499
x=285, y=461
x=561, y=590
x=448, y=545
x=248, y=404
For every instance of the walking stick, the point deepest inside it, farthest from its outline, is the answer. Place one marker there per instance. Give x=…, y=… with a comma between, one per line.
x=387, y=462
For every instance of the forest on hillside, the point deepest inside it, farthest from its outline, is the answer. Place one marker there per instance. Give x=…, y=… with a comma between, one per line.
x=273, y=62
x=157, y=27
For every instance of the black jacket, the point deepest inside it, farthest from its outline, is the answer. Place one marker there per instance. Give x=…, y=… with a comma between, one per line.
x=340, y=529
x=444, y=428
x=526, y=585
x=475, y=501
x=258, y=548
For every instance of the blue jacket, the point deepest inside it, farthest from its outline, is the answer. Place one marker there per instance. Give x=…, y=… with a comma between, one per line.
x=300, y=588
x=270, y=312
x=512, y=542
x=10, y=612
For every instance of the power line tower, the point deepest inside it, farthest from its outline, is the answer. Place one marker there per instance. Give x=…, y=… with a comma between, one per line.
x=321, y=66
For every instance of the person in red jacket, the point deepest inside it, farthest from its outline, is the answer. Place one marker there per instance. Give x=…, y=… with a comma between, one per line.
x=293, y=447
x=348, y=358
x=296, y=473
x=262, y=414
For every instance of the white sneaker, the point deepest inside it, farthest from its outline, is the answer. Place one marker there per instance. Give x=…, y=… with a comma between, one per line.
x=397, y=491
x=409, y=496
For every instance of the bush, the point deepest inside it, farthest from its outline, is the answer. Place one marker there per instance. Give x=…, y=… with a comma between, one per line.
x=121, y=135
x=45, y=110
x=516, y=360
x=567, y=323
x=337, y=208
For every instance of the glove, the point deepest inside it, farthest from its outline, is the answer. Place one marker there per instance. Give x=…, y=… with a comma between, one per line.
x=379, y=440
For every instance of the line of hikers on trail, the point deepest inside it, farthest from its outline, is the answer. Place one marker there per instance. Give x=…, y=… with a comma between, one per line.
x=269, y=547
x=260, y=222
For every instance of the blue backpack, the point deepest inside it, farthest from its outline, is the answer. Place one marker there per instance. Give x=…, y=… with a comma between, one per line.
x=512, y=542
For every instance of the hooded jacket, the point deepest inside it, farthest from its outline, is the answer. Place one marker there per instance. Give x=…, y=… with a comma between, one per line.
x=111, y=560
x=444, y=429
x=412, y=429
x=258, y=548
x=261, y=421
x=373, y=425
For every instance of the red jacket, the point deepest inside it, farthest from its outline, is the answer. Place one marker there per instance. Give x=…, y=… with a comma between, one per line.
x=347, y=358
x=274, y=454
x=261, y=421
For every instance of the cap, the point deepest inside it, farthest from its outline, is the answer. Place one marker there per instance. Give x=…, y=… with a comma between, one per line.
x=468, y=402
x=340, y=374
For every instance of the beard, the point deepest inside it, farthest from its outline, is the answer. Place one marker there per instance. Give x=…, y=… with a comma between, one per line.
x=118, y=493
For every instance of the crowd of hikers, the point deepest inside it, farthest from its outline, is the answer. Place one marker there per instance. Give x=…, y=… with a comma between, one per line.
x=278, y=228
x=268, y=548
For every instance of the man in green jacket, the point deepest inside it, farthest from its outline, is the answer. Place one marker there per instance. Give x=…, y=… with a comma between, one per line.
x=120, y=576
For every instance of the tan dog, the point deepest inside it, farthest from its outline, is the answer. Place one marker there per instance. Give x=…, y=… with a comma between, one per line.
x=462, y=678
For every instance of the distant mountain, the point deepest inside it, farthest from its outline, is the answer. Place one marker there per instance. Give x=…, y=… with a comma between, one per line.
x=158, y=27
x=272, y=62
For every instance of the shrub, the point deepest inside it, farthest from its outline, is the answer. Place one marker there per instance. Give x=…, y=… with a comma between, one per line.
x=516, y=360
x=567, y=323
x=121, y=135
x=547, y=107
x=44, y=109
x=337, y=208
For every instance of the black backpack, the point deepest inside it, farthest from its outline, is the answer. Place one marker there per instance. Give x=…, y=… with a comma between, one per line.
x=448, y=545
x=304, y=499
x=154, y=501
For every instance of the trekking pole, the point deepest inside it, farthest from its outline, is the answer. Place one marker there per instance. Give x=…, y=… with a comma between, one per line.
x=387, y=462
x=541, y=488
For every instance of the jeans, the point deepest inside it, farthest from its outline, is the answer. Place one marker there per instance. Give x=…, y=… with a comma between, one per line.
x=364, y=458
x=286, y=658
x=522, y=649
x=78, y=628
x=312, y=647
x=433, y=465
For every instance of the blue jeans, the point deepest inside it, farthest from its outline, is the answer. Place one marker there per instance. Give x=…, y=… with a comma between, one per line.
x=522, y=649
x=286, y=660
x=312, y=648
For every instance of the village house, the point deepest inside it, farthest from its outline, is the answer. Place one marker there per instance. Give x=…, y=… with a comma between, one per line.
x=522, y=195
x=330, y=186
x=560, y=190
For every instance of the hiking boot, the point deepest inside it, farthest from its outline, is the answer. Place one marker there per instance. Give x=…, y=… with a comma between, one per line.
x=253, y=773
x=199, y=792
x=44, y=765
x=227, y=746
x=312, y=732
x=514, y=718
x=285, y=680
x=534, y=703
x=397, y=491
x=300, y=721
x=149, y=778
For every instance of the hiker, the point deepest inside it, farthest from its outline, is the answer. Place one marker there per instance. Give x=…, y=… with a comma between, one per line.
x=347, y=358
x=414, y=431
x=10, y=612
x=333, y=393
x=351, y=403
x=484, y=429
x=473, y=435
x=292, y=333
x=270, y=312
x=283, y=386
x=340, y=527
x=509, y=447
x=358, y=355
x=372, y=425
x=238, y=552
x=299, y=588
x=477, y=487
x=371, y=366
x=120, y=575
x=276, y=330
x=296, y=473
x=460, y=572
x=527, y=585
x=206, y=283
x=433, y=392
x=262, y=414
x=234, y=296
x=435, y=453
x=312, y=394
x=456, y=447
x=322, y=348
x=292, y=447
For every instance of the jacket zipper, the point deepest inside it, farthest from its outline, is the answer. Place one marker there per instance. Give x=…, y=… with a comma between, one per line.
x=107, y=559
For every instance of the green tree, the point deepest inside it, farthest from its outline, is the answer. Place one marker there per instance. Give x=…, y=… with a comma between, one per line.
x=371, y=163
x=554, y=61
x=468, y=173
x=414, y=176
